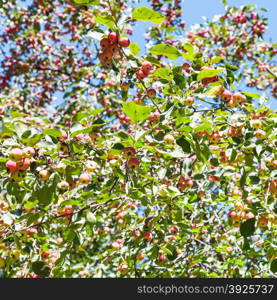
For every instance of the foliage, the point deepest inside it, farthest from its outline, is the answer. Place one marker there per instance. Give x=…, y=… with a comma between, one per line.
x=117, y=161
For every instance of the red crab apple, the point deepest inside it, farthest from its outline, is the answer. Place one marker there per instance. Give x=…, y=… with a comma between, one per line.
x=262, y=222
x=28, y=152
x=140, y=256
x=162, y=257
x=113, y=37
x=174, y=229
x=15, y=154
x=23, y=164
x=273, y=186
x=148, y=236
x=129, y=152
x=124, y=42
x=146, y=67
x=151, y=93
x=141, y=74
x=105, y=43
x=133, y=163
x=11, y=166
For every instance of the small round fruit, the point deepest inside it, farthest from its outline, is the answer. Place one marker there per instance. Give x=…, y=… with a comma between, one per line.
x=63, y=185
x=129, y=152
x=256, y=124
x=133, y=163
x=11, y=166
x=23, y=164
x=124, y=42
x=84, y=178
x=15, y=154
x=113, y=37
x=226, y=96
x=189, y=101
x=146, y=67
x=151, y=93
x=44, y=175
x=148, y=236
x=105, y=43
x=260, y=134
x=28, y=152
x=169, y=139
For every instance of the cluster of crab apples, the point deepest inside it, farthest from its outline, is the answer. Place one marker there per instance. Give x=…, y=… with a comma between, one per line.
x=19, y=162
x=132, y=162
x=111, y=46
x=232, y=99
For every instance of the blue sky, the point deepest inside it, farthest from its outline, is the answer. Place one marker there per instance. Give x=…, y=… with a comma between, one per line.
x=195, y=10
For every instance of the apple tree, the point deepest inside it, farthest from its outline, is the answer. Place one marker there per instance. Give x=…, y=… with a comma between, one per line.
x=123, y=158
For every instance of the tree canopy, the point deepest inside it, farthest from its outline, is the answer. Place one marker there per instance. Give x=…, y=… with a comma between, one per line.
x=118, y=160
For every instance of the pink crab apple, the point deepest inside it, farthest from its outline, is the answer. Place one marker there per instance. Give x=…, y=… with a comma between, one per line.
x=260, y=134
x=84, y=178
x=226, y=96
x=256, y=124
x=136, y=233
x=43, y=175
x=28, y=152
x=15, y=154
x=169, y=139
x=11, y=166
x=239, y=97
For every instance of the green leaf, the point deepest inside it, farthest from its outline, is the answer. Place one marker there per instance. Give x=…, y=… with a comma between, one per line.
x=105, y=20
x=147, y=14
x=134, y=48
x=216, y=59
x=41, y=269
x=136, y=112
x=164, y=73
x=273, y=266
x=231, y=67
x=52, y=132
x=252, y=95
x=189, y=48
x=165, y=50
x=247, y=228
x=208, y=73
x=184, y=144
